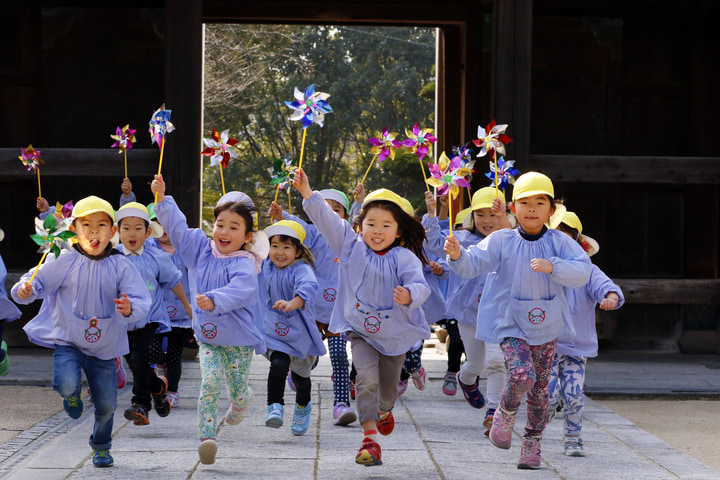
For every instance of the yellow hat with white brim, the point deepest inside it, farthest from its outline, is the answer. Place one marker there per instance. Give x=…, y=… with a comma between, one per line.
x=532, y=183
x=135, y=209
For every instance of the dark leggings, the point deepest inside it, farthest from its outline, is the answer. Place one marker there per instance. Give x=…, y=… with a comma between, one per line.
x=456, y=347
x=279, y=367
x=170, y=355
x=145, y=381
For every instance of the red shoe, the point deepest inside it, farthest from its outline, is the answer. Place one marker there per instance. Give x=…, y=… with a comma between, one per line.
x=369, y=453
x=120, y=375
x=385, y=425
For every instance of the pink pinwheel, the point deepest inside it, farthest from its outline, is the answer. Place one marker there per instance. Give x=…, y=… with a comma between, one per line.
x=124, y=138
x=63, y=214
x=503, y=174
x=419, y=141
x=385, y=145
x=448, y=175
x=310, y=106
x=220, y=148
x=492, y=138
x=30, y=158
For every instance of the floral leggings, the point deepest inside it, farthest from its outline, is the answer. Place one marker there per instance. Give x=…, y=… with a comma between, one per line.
x=567, y=382
x=529, y=368
x=217, y=362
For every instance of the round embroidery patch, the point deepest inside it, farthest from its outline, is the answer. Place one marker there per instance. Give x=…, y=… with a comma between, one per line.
x=536, y=316
x=172, y=311
x=209, y=330
x=282, y=328
x=372, y=324
x=329, y=294
x=93, y=333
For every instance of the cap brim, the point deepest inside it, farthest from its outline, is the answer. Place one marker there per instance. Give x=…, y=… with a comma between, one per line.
x=156, y=230
x=557, y=217
x=590, y=245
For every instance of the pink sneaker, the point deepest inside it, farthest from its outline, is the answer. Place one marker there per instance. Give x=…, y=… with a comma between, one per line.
x=343, y=414
x=529, y=454
x=120, y=375
x=502, y=429
x=402, y=386
x=450, y=383
x=420, y=378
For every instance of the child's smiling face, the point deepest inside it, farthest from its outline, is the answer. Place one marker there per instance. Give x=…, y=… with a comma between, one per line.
x=230, y=232
x=133, y=233
x=282, y=253
x=533, y=212
x=485, y=221
x=379, y=229
x=94, y=232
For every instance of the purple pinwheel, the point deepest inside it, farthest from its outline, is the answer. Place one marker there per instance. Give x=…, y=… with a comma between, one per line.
x=385, y=146
x=30, y=158
x=310, y=107
x=491, y=139
x=448, y=175
x=419, y=140
x=124, y=138
x=506, y=173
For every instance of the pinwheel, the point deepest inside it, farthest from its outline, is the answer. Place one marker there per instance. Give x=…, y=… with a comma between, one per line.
x=419, y=142
x=220, y=148
x=124, y=138
x=160, y=126
x=63, y=215
x=492, y=139
x=310, y=107
x=466, y=160
x=505, y=171
x=282, y=174
x=383, y=147
x=448, y=176
x=31, y=159
x=49, y=234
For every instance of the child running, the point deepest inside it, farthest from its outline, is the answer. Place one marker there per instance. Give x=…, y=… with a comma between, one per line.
x=287, y=287
x=8, y=313
x=523, y=306
x=568, y=372
x=91, y=293
x=380, y=290
x=223, y=273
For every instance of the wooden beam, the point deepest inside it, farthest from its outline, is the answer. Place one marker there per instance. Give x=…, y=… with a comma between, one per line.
x=65, y=162
x=670, y=291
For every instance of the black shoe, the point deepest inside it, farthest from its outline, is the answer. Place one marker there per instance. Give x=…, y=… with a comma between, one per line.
x=160, y=401
x=138, y=414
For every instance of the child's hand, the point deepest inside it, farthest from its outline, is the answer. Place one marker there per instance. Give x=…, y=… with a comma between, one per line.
x=275, y=212
x=610, y=302
x=402, y=295
x=126, y=187
x=452, y=247
x=436, y=268
x=289, y=306
x=204, y=302
x=323, y=327
x=301, y=184
x=498, y=208
x=541, y=265
x=443, y=207
x=123, y=305
x=24, y=291
x=158, y=186
x=431, y=203
x=42, y=205
x=359, y=193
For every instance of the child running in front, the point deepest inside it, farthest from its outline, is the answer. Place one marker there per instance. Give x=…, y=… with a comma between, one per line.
x=380, y=291
x=223, y=272
x=568, y=373
x=91, y=293
x=287, y=288
x=523, y=307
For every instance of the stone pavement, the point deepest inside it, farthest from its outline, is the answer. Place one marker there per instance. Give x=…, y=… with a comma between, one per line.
x=435, y=437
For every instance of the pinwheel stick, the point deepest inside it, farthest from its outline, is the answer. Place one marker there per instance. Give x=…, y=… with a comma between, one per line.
x=222, y=180
x=368, y=170
x=497, y=193
x=38, y=267
x=302, y=149
x=162, y=150
x=422, y=167
x=289, y=203
x=38, y=174
x=125, y=151
x=277, y=190
x=450, y=217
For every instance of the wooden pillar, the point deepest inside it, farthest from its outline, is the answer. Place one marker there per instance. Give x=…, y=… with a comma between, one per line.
x=182, y=168
x=512, y=63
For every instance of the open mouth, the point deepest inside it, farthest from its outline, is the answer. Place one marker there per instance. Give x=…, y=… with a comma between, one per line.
x=94, y=243
x=224, y=243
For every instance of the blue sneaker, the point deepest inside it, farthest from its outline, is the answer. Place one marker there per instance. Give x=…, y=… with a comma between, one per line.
x=301, y=419
x=102, y=458
x=5, y=364
x=472, y=394
x=274, y=417
x=73, y=406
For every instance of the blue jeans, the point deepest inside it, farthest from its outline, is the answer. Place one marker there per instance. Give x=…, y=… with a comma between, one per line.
x=100, y=375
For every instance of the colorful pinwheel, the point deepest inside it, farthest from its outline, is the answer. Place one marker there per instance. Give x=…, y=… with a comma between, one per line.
x=419, y=142
x=492, y=140
x=49, y=234
x=448, y=176
x=384, y=146
x=310, y=107
x=124, y=138
x=31, y=159
x=466, y=160
x=220, y=148
x=505, y=171
x=160, y=126
x=63, y=215
x=281, y=175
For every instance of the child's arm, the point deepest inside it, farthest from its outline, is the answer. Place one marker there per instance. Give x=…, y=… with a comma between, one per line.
x=289, y=306
x=480, y=258
x=571, y=267
x=413, y=289
x=604, y=291
x=500, y=210
x=305, y=288
x=179, y=292
x=241, y=291
x=433, y=234
x=610, y=302
x=133, y=301
x=127, y=193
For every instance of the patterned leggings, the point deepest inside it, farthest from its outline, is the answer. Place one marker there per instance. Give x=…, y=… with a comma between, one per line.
x=529, y=368
x=217, y=362
x=412, y=364
x=571, y=374
x=171, y=355
x=339, y=361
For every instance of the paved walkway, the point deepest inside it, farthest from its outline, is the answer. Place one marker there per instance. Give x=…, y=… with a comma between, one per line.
x=436, y=436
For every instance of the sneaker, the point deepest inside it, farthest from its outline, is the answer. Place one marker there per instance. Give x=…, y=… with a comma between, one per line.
x=488, y=421
x=385, y=424
x=301, y=419
x=274, y=416
x=343, y=414
x=529, y=454
x=236, y=413
x=352, y=389
x=369, y=453
x=173, y=398
x=138, y=414
x=160, y=401
x=402, y=386
x=450, y=384
x=472, y=394
x=5, y=364
x=573, y=446
x=291, y=384
x=502, y=429
x=207, y=451
x=160, y=370
x=73, y=406
x=552, y=410
x=120, y=375
x=420, y=378
x=102, y=458
x=89, y=396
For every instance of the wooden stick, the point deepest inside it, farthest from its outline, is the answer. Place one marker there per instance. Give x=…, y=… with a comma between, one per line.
x=497, y=194
x=424, y=176
x=277, y=189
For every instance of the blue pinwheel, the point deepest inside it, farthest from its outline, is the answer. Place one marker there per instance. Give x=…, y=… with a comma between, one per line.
x=310, y=106
x=505, y=172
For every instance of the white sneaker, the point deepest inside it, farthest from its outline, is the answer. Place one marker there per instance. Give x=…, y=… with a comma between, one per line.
x=173, y=398
x=236, y=413
x=573, y=446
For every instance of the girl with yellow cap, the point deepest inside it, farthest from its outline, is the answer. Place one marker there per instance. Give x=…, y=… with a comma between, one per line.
x=524, y=308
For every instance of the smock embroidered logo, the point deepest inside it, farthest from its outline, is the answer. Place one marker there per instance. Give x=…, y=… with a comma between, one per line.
x=93, y=333
x=282, y=329
x=329, y=294
x=172, y=311
x=479, y=295
x=372, y=324
x=209, y=330
x=536, y=316
x=336, y=260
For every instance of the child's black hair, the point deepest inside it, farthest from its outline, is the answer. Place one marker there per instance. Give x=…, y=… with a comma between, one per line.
x=305, y=254
x=573, y=232
x=119, y=223
x=241, y=209
x=412, y=233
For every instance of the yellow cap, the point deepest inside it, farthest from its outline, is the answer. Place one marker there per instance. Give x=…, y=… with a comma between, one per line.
x=484, y=197
x=461, y=215
x=92, y=204
x=532, y=183
x=407, y=206
x=286, y=227
x=572, y=220
x=384, y=194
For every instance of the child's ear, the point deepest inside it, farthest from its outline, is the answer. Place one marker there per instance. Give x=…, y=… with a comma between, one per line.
x=248, y=237
x=148, y=232
x=114, y=229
